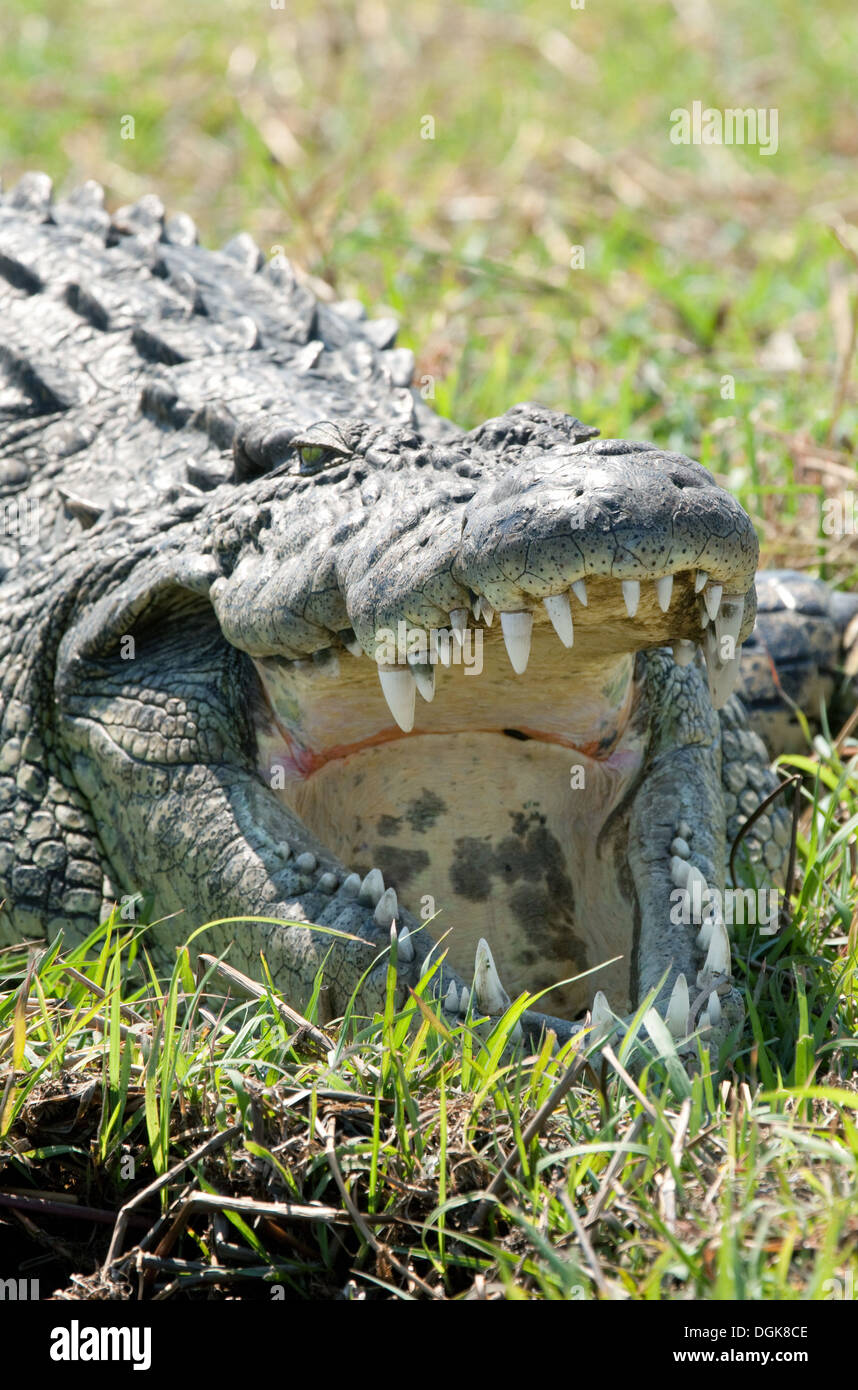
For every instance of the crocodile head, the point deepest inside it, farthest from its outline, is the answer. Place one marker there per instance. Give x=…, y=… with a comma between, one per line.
x=446, y=640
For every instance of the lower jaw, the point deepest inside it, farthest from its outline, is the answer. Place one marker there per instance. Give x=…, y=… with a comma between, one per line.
x=484, y=835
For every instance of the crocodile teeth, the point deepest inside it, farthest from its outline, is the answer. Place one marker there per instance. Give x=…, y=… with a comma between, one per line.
x=464, y=1000
x=713, y=1008
x=458, y=622
x=679, y=871
x=579, y=589
x=676, y=1017
x=451, y=1002
x=729, y=619
x=488, y=613
x=399, y=690
x=695, y=876
x=701, y=579
x=350, y=886
x=680, y=847
x=424, y=679
x=371, y=889
x=558, y=610
x=722, y=675
x=354, y=647
x=663, y=591
x=717, y=960
x=632, y=595
x=404, y=944
x=712, y=598
x=443, y=646
x=683, y=651
x=704, y=936
x=386, y=909
x=601, y=1018
x=492, y=998
x=517, y=628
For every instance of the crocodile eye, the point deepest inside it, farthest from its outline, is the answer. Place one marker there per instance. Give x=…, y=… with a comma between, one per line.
x=311, y=455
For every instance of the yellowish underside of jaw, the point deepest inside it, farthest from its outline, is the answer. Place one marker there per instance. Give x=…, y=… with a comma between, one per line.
x=490, y=835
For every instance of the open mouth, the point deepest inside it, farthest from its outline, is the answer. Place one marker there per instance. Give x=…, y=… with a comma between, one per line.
x=488, y=777
x=451, y=647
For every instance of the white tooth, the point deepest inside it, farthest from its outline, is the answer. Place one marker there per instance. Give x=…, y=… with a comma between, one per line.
x=487, y=611
x=680, y=847
x=458, y=622
x=632, y=595
x=677, y=1010
x=679, y=871
x=601, y=1018
x=492, y=998
x=443, y=645
x=722, y=675
x=663, y=591
x=683, y=651
x=371, y=889
x=703, y=1021
x=386, y=908
x=451, y=1003
x=354, y=647
x=712, y=598
x=695, y=876
x=464, y=1000
x=517, y=628
x=704, y=936
x=729, y=619
x=701, y=579
x=717, y=960
x=424, y=679
x=579, y=589
x=713, y=1009
x=724, y=684
x=693, y=904
x=406, y=945
x=399, y=690
x=350, y=886
x=477, y=608
x=558, y=610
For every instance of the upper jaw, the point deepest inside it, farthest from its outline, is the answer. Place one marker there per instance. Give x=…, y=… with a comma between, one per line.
x=636, y=546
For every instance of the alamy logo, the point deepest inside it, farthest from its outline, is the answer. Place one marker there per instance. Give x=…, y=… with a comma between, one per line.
x=733, y=126
x=76, y=1343
x=414, y=645
x=699, y=906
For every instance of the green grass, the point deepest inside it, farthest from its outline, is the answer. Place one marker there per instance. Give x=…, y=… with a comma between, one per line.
x=396, y=1157
x=303, y=126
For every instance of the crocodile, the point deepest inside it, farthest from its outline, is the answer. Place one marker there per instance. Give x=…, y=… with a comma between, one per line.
x=285, y=652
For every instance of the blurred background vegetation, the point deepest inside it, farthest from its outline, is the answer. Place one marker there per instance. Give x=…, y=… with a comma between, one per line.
x=706, y=269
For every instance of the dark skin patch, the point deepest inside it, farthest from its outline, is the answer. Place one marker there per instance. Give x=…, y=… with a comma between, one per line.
x=543, y=902
x=424, y=811
x=473, y=869
x=388, y=825
x=400, y=866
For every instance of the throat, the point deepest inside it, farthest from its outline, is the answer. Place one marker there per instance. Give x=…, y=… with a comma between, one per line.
x=513, y=833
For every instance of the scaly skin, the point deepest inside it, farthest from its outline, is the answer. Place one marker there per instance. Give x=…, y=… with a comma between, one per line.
x=237, y=491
